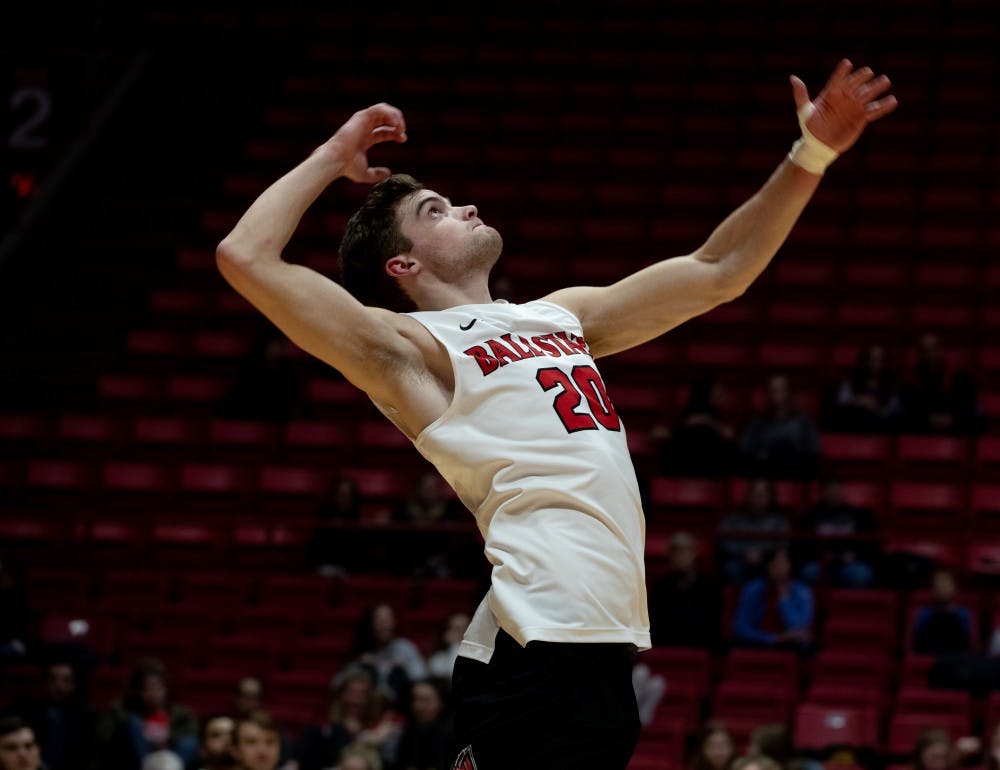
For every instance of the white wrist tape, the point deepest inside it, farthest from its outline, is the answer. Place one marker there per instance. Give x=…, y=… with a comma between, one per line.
x=809, y=152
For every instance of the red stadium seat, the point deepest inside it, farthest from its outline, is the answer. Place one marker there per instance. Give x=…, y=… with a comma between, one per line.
x=776, y=667
x=291, y=490
x=302, y=592
x=840, y=668
x=688, y=494
x=819, y=727
x=230, y=440
x=920, y=700
x=682, y=702
x=987, y=458
x=921, y=506
x=915, y=670
x=680, y=665
x=763, y=702
x=365, y=590
x=931, y=458
x=906, y=729
x=856, y=456
x=318, y=441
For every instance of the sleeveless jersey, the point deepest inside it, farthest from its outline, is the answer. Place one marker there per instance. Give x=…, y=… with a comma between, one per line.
x=533, y=446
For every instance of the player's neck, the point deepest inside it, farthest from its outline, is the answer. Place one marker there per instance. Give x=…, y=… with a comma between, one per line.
x=441, y=296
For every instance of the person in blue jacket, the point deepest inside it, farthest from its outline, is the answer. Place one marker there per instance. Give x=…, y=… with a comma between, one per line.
x=775, y=611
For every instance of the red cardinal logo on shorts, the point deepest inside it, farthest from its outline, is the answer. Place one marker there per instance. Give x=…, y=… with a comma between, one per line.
x=465, y=760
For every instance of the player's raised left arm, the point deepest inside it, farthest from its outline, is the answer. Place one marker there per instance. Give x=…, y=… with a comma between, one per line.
x=648, y=303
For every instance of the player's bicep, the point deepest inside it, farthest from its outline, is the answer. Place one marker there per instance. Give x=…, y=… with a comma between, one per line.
x=645, y=304
x=321, y=317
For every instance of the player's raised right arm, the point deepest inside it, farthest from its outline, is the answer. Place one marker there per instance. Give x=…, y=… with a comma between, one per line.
x=316, y=313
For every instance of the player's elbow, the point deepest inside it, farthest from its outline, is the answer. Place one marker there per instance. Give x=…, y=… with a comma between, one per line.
x=726, y=287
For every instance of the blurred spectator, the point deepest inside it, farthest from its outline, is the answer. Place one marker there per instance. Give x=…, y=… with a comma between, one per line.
x=740, y=555
x=358, y=757
x=18, y=748
x=13, y=617
x=715, y=749
x=256, y=742
x=782, y=440
x=442, y=662
x=426, y=740
x=868, y=398
x=162, y=760
x=395, y=661
x=845, y=558
x=63, y=722
x=145, y=721
x=933, y=751
x=775, y=742
x=937, y=400
x=649, y=689
x=703, y=440
x=775, y=611
x=357, y=713
x=266, y=386
x=756, y=762
x=428, y=502
x=685, y=605
x=943, y=627
x=249, y=697
x=215, y=744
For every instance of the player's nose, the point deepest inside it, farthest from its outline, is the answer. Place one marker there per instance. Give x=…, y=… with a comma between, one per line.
x=469, y=212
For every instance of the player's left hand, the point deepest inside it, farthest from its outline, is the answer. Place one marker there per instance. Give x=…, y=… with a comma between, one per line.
x=850, y=100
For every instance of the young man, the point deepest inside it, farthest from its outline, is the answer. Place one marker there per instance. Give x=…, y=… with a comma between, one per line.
x=506, y=402
x=256, y=742
x=18, y=748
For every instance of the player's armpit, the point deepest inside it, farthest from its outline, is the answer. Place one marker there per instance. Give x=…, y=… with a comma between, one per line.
x=323, y=319
x=647, y=303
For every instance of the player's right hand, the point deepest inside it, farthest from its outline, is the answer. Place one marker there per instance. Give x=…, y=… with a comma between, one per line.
x=366, y=128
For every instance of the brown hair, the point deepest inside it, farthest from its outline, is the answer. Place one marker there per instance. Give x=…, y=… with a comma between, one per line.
x=700, y=761
x=261, y=719
x=373, y=236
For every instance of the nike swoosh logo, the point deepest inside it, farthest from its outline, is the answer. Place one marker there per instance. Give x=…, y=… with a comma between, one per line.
x=470, y=325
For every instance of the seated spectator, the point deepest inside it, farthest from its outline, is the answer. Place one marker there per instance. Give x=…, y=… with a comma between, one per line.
x=249, y=697
x=868, y=397
x=715, y=749
x=266, y=386
x=394, y=661
x=13, y=617
x=358, y=713
x=357, y=757
x=845, y=558
x=757, y=762
x=162, y=760
x=426, y=739
x=442, y=662
x=703, y=440
x=328, y=550
x=428, y=502
x=215, y=744
x=62, y=721
x=782, y=440
x=775, y=611
x=18, y=748
x=934, y=751
x=741, y=554
x=943, y=627
x=256, y=742
x=649, y=689
x=685, y=605
x=937, y=400
x=145, y=720
x=774, y=742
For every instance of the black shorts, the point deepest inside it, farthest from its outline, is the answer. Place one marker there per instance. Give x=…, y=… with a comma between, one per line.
x=550, y=706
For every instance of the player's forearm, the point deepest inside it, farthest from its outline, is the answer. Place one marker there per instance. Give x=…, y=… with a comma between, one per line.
x=267, y=226
x=746, y=241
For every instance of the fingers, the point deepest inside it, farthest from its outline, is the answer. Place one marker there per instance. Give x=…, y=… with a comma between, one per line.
x=840, y=72
x=880, y=108
x=858, y=78
x=377, y=174
x=383, y=114
x=874, y=88
x=799, y=92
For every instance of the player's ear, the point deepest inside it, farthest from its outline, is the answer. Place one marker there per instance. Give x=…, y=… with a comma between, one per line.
x=401, y=265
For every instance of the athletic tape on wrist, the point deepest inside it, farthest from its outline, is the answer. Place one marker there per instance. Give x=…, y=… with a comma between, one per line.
x=809, y=152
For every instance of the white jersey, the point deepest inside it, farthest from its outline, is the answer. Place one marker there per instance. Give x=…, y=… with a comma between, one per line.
x=533, y=446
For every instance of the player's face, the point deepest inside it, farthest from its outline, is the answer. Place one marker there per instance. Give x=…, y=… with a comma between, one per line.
x=256, y=748
x=19, y=751
x=448, y=240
